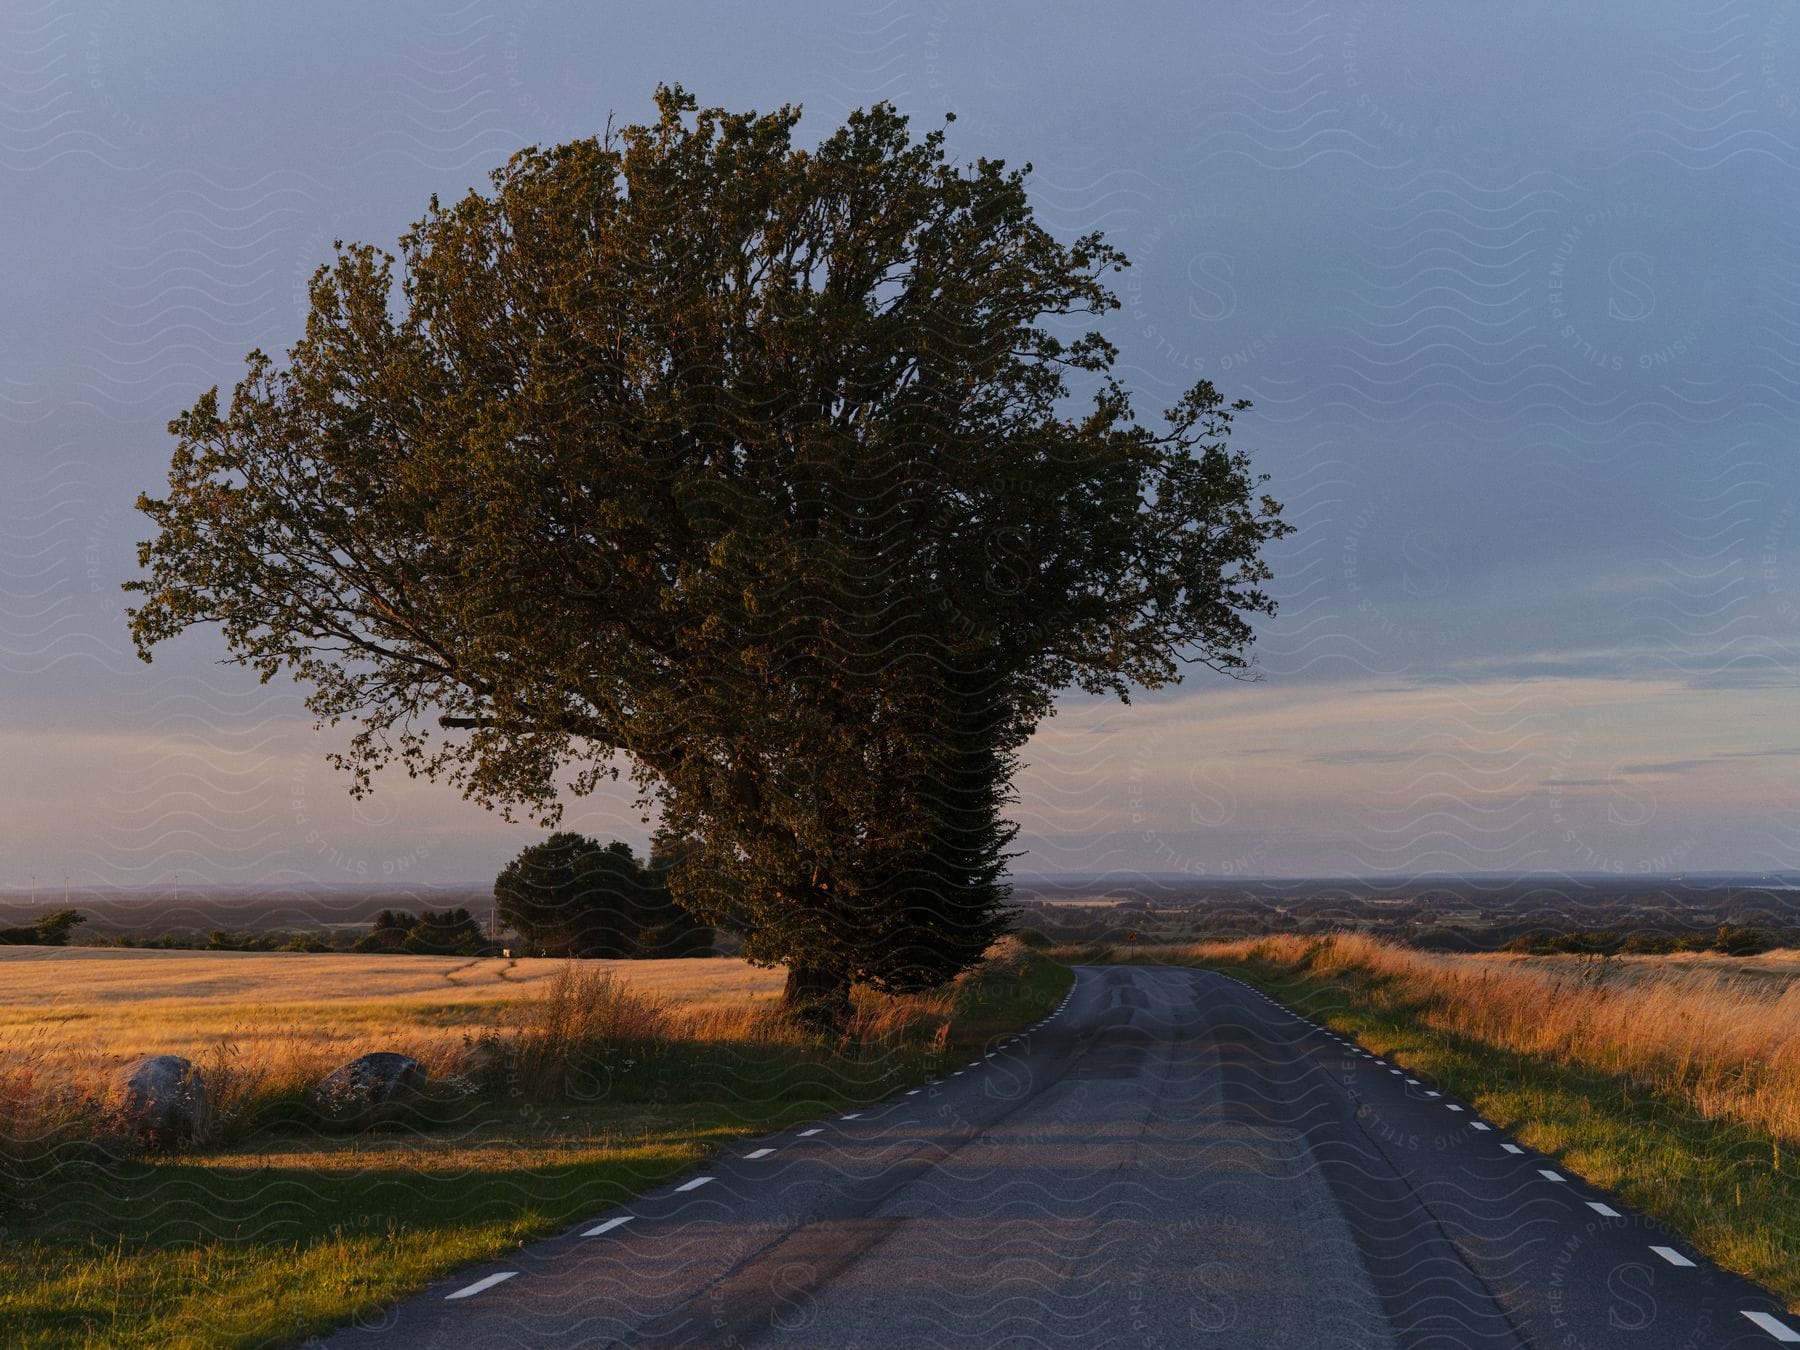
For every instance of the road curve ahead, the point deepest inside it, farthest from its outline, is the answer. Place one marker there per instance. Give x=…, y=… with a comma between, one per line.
x=1170, y=1160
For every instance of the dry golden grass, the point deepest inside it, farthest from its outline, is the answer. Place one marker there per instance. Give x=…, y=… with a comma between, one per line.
x=1719, y=1033
x=264, y=1027
x=281, y=1228
x=89, y=1008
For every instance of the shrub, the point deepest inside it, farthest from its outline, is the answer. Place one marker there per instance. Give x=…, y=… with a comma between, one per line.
x=567, y=1034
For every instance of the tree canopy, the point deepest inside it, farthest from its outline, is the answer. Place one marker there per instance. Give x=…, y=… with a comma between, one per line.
x=784, y=478
x=570, y=895
x=50, y=930
x=429, y=932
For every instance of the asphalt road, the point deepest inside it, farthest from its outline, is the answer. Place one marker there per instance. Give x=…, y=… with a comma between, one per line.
x=1170, y=1160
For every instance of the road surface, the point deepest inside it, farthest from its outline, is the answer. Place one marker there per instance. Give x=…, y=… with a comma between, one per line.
x=1170, y=1160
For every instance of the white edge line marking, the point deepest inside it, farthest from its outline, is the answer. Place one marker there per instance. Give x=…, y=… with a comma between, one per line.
x=1604, y=1211
x=693, y=1185
x=760, y=1153
x=1672, y=1256
x=479, y=1285
x=608, y=1226
x=1780, y=1330
x=1548, y=1175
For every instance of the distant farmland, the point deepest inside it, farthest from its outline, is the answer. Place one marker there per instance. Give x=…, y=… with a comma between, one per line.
x=149, y=912
x=83, y=1008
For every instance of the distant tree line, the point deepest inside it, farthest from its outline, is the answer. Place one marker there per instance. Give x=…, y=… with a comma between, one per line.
x=450, y=932
x=1728, y=940
x=52, y=930
x=567, y=896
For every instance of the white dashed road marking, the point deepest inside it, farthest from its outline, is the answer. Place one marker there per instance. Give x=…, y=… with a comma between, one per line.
x=854, y=1115
x=807, y=1133
x=1672, y=1256
x=760, y=1153
x=608, y=1226
x=1604, y=1211
x=693, y=1185
x=1780, y=1330
x=1512, y=1148
x=479, y=1285
x=1548, y=1175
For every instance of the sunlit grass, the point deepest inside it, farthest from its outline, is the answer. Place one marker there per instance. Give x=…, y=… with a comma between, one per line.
x=90, y=1006
x=1643, y=1077
x=278, y=1236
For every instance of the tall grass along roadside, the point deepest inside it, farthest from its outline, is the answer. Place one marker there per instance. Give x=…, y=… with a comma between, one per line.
x=1672, y=1080
x=584, y=1093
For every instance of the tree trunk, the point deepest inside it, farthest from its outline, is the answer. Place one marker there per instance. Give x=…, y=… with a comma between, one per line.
x=817, y=997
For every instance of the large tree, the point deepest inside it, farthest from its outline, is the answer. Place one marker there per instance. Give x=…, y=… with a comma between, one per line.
x=753, y=468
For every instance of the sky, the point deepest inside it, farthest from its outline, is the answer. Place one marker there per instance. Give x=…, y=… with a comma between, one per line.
x=1515, y=291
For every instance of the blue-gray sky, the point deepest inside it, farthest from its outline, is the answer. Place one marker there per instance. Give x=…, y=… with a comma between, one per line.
x=1515, y=289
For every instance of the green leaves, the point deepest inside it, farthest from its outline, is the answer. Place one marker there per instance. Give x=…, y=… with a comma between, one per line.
x=749, y=468
x=573, y=896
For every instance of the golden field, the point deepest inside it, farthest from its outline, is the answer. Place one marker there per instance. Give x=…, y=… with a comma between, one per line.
x=599, y=1080
x=86, y=1008
x=1719, y=1033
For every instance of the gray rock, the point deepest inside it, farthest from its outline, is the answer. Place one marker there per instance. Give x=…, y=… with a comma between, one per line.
x=366, y=1085
x=162, y=1099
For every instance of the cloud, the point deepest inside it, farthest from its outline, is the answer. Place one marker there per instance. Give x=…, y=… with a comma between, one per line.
x=1706, y=761
x=1366, y=756
x=1668, y=766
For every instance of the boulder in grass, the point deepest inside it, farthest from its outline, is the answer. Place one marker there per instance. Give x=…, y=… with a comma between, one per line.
x=370, y=1086
x=162, y=1100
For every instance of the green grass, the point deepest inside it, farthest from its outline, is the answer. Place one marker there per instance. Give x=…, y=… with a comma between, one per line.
x=281, y=1237
x=1729, y=1189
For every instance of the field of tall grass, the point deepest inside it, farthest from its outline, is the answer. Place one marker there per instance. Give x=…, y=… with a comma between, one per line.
x=1721, y=1034
x=574, y=1089
x=107, y=1004
x=263, y=1028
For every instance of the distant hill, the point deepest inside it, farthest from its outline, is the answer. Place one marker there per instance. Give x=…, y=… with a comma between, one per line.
x=150, y=911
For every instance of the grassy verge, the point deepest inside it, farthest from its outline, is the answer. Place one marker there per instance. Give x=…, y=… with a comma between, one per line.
x=281, y=1236
x=1727, y=1186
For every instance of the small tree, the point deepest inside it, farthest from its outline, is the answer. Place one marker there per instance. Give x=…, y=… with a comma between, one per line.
x=389, y=932
x=53, y=929
x=574, y=896
x=450, y=932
